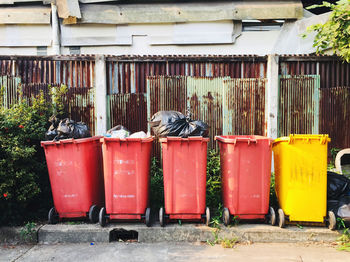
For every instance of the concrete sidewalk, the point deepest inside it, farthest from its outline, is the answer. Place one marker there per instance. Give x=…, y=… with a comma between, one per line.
x=87, y=233
x=178, y=252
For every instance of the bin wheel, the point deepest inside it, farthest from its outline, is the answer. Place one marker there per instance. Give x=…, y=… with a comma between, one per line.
x=332, y=221
x=53, y=216
x=148, y=217
x=102, y=217
x=161, y=217
x=272, y=218
x=226, y=216
x=93, y=214
x=281, y=218
x=207, y=216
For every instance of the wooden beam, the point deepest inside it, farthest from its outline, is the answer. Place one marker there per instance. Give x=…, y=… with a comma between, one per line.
x=189, y=12
x=68, y=8
x=25, y=15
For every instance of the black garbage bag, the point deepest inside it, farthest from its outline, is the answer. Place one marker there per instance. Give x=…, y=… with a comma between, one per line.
x=337, y=185
x=68, y=128
x=344, y=207
x=52, y=131
x=174, y=123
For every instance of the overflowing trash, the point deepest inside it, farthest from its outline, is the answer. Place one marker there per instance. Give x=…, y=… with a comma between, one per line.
x=66, y=128
x=338, y=194
x=174, y=123
x=120, y=131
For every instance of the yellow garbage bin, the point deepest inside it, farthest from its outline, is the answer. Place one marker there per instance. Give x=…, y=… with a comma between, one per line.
x=301, y=178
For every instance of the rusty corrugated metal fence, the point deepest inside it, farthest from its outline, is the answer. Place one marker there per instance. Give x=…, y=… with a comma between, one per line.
x=204, y=97
x=298, y=105
x=129, y=110
x=8, y=90
x=244, y=106
x=335, y=115
x=129, y=74
x=205, y=101
x=73, y=71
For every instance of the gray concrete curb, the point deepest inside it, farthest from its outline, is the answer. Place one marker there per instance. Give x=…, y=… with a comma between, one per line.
x=63, y=233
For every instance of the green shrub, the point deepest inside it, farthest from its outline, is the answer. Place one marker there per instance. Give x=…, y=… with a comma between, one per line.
x=273, y=196
x=25, y=192
x=214, y=200
x=157, y=186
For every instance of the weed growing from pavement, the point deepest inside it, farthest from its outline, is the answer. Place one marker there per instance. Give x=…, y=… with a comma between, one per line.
x=224, y=242
x=27, y=231
x=344, y=240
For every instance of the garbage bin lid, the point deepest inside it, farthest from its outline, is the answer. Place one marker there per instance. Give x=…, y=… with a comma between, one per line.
x=323, y=138
x=233, y=139
x=127, y=139
x=70, y=141
x=188, y=139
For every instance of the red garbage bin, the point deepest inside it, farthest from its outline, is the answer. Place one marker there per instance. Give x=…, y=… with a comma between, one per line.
x=184, y=173
x=126, y=175
x=245, y=172
x=76, y=177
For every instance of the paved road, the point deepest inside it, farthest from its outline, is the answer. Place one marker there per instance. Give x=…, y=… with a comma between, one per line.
x=173, y=252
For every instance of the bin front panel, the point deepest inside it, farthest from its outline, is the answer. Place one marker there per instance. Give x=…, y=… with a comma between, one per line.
x=246, y=172
x=184, y=170
x=126, y=171
x=301, y=177
x=76, y=176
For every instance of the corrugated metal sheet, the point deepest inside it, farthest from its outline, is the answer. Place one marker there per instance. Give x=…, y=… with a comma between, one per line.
x=130, y=76
x=129, y=110
x=333, y=72
x=79, y=104
x=298, y=107
x=72, y=71
x=8, y=90
x=165, y=93
x=335, y=116
x=204, y=99
x=33, y=90
x=244, y=106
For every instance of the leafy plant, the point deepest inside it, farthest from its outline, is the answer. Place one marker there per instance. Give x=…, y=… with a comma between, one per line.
x=157, y=186
x=334, y=152
x=216, y=220
x=273, y=196
x=224, y=242
x=229, y=242
x=335, y=33
x=28, y=231
x=344, y=240
x=213, y=195
x=25, y=192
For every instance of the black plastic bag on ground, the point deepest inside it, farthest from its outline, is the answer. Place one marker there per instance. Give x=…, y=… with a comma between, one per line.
x=337, y=185
x=174, y=123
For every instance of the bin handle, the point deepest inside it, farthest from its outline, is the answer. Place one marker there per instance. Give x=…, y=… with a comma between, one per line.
x=244, y=139
x=236, y=139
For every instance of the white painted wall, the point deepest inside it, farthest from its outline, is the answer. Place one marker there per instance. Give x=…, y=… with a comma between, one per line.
x=146, y=39
x=25, y=35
